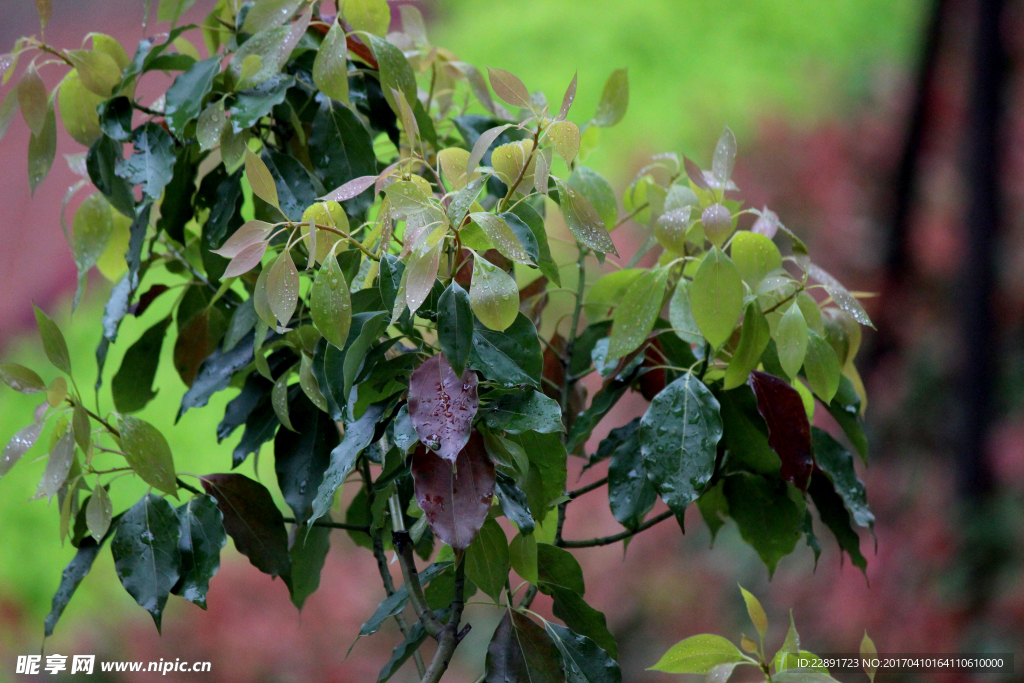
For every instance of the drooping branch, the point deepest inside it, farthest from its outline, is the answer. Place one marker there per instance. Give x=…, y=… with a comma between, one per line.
x=615, y=538
x=404, y=548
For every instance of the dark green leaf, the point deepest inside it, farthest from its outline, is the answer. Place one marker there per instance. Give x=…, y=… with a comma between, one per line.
x=201, y=539
x=545, y=482
x=358, y=435
x=341, y=150
x=177, y=208
x=302, y=456
x=487, y=559
x=558, y=568
x=837, y=463
x=679, y=435
x=403, y=651
x=102, y=161
x=583, y=220
x=184, y=98
x=72, y=576
x=146, y=557
x=511, y=357
x=845, y=408
x=598, y=192
x=630, y=492
x=309, y=552
x=746, y=435
x=132, y=385
x=614, y=99
x=42, y=149
x=714, y=508
x=455, y=326
x=253, y=104
x=396, y=602
x=835, y=516
x=768, y=513
x=296, y=187
x=754, y=338
x=252, y=520
x=522, y=652
x=585, y=661
x=584, y=619
x=152, y=163
x=115, y=117
x=215, y=374
x=535, y=222
x=523, y=411
x=513, y=503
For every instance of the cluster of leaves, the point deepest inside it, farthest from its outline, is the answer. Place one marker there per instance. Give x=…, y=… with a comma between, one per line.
x=717, y=657
x=357, y=232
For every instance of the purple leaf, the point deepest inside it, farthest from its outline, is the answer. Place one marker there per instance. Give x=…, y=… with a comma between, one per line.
x=442, y=406
x=246, y=260
x=252, y=519
x=695, y=175
x=455, y=500
x=789, y=432
x=351, y=189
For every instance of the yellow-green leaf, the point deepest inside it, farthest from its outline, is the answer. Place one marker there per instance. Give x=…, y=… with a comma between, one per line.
x=509, y=161
x=523, y=555
x=716, y=297
x=98, y=70
x=372, y=16
x=92, y=228
x=112, y=263
x=453, y=165
x=148, y=453
x=583, y=220
x=493, y=295
x=755, y=611
x=791, y=339
x=637, y=312
x=78, y=109
x=283, y=288
x=98, y=513
x=754, y=337
x=614, y=99
x=330, y=69
x=755, y=256
x=57, y=392
x=501, y=236
x=32, y=98
x=821, y=367
x=260, y=180
x=565, y=136
x=21, y=379
x=329, y=214
x=698, y=655
x=869, y=652
x=330, y=303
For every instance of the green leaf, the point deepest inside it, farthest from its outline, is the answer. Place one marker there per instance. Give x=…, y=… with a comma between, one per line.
x=839, y=294
x=132, y=385
x=20, y=378
x=200, y=542
x=493, y=295
x=769, y=517
x=33, y=100
x=341, y=150
x=373, y=16
x=77, y=110
x=330, y=303
x=584, y=619
x=254, y=103
x=754, y=337
x=92, y=227
x=679, y=435
x=833, y=513
x=583, y=220
x=545, y=482
x=614, y=99
x=630, y=492
x=746, y=434
x=565, y=136
x=585, y=661
x=146, y=557
x=509, y=88
x=869, y=651
x=147, y=453
x=755, y=256
x=171, y=10
x=533, y=220
x=60, y=460
x=252, y=520
x=716, y=297
x=98, y=70
x=487, y=559
x=754, y=610
x=395, y=71
x=309, y=553
x=330, y=69
x=42, y=149
x=396, y=602
x=72, y=576
x=358, y=436
x=790, y=646
x=510, y=357
x=302, y=456
x=455, y=326
x=680, y=314
x=791, y=338
x=268, y=14
x=262, y=183
x=522, y=652
x=152, y=163
x=404, y=650
x=837, y=463
x=558, y=568
x=635, y=315
x=283, y=288
x=7, y=110
x=698, y=655
x=53, y=342
x=523, y=556
x=502, y=237
x=821, y=367
x=98, y=513
x=184, y=98
x=598, y=192
x=524, y=411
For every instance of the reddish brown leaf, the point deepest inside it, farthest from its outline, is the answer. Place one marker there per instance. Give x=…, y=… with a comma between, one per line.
x=533, y=289
x=789, y=432
x=653, y=381
x=442, y=406
x=695, y=175
x=554, y=370
x=252, y=520
x=196, y=341
x=146, y=299
x=455, y=500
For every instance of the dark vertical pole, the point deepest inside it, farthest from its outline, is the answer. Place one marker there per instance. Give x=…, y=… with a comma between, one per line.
x=984, y=216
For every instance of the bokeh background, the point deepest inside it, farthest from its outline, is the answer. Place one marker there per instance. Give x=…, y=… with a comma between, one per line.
x=889, y=134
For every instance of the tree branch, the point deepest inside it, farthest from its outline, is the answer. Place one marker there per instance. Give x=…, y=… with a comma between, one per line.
x=450, y=636
x=588, y=488
x=404, y=547
x=332, y=525
x=615, y=538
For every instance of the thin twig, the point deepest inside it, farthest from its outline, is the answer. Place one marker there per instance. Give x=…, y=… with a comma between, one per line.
x=332, y=525
x=588, y=488
x=615, y=538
